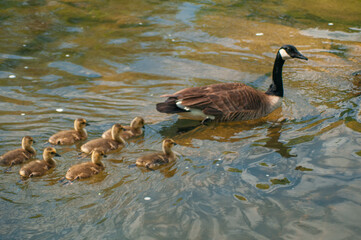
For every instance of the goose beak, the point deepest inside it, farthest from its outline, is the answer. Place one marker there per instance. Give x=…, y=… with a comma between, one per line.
x=300, y=56
x=57, y=155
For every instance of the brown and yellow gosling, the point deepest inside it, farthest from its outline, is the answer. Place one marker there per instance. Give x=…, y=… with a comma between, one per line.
x=155, y=160
x=40, y=167
x=87, y=169
x=106, y=144
x=20, y=155
x=134, y=130
x=68, y=137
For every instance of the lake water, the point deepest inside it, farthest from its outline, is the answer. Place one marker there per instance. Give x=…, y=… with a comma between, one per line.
x=109, y=61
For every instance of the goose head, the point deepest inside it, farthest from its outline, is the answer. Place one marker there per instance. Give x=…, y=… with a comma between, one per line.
x=27, y=142
x=80, y=123
x=137, y=123
x=117, y=130
x=97, y=156
x=49, y=153
x=290, y=51
x=167, y=145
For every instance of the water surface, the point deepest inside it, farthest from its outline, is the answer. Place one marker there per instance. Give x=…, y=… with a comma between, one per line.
x=110, y=61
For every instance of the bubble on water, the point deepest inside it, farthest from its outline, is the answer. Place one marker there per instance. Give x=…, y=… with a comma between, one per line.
x=26, y=67
x=22, y=114
x=59, y=109
x=147, y=198
x=140, y=23
x=12, y=76
x=330, y=24
x=67, y=55
x=259, y=34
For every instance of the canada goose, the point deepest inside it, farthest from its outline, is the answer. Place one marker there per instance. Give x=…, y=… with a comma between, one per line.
x=231, y=101
x=87, y=169
x=155, y=160
x=108, y=144
x=20, y=155
x=68, y=137
x=134, y=130
x=39, y=167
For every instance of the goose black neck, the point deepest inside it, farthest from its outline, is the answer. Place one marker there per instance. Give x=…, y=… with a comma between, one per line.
x=276, y=88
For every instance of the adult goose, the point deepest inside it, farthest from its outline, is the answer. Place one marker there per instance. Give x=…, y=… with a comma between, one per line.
x=20, y=155
x=230, y=101
x=68, y=137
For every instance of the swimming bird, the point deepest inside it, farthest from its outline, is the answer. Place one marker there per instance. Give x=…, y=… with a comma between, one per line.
x=87, y=169
x=155, y=160
x=134, y=130
x=231, y=101
x=68, y=137
x=20, y=155
x=106, y=144
x=40, y=167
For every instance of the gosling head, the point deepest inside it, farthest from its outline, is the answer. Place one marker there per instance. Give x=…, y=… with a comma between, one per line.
x=117, y=130
x=27, y=142
x=97, y=155
x=168, y=144
x=49, y=153
x=290, y=51
x=80, y=123
x=137, y=123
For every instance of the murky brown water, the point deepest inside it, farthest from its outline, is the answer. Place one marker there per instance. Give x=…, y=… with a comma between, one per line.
x=109, y=61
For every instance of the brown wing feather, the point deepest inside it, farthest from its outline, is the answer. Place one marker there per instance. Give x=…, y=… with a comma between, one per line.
x=233, y=101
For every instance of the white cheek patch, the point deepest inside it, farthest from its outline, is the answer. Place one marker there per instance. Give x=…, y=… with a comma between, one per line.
x=284, y=54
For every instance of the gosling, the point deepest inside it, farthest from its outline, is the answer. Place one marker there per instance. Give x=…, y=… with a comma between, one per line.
x=134, y=130
x=106, y=144
x=40, y=167
x=87, y=169
x=69, y=137
x=155, y=160
x=20, y=155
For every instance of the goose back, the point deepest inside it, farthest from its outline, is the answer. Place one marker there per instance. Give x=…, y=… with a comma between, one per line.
x=221, y=102
x=83, y=170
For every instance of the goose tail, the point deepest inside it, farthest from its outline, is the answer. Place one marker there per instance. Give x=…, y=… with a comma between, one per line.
x=169, y=106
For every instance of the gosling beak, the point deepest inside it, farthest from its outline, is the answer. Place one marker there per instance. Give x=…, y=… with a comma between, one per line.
x=57, y=155
x=175, y=144
x=87, y=124
x=105, y=156
x=34, y=141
